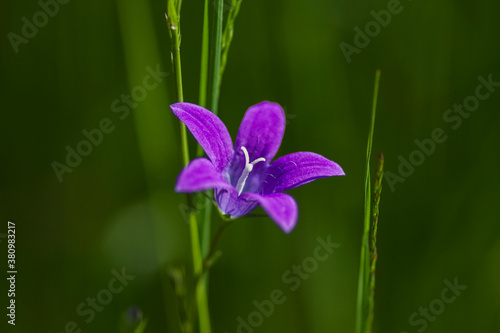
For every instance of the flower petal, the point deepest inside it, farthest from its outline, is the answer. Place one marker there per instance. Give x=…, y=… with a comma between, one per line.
x=261, y=131
x=281, y=207
x=199, y=175
x=297, y=169
x=208, y=130
x=231, y=203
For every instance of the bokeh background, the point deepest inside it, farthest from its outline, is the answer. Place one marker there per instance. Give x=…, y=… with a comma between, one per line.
x=117, y=208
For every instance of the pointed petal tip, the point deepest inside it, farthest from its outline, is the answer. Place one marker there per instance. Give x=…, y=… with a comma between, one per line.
x=178, y=106
x=289, y=228
x=336, y=170
x=185, y=107
x=287, y=225
x=178, y=188
x=339, y=172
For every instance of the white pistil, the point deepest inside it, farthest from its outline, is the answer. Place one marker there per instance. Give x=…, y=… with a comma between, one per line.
x=246, y=171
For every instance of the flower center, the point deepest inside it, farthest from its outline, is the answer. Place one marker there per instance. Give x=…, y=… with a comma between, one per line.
x=246, y=171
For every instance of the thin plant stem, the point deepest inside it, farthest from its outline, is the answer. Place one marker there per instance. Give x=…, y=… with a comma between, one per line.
x=212, y=254
x=373, y=242
x=227, y=37
x=209, y=259
x=201, y=292
x=363, y=297
x=214, y=102
x=202, y=95
x=202, y=100
x=216, y=60
x=204, y=316
x=175, y=36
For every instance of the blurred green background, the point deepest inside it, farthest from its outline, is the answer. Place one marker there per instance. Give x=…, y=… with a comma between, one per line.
x=117, y=208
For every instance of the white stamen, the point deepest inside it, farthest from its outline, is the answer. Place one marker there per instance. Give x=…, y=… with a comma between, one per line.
x=245, y=151
x=246, y=171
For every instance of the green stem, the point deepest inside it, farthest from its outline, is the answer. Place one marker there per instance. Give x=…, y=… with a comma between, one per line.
x=217, y=47
x=203, y=314
x=363, y=298
x=227, y=37
x=201, y=295
x=202, y=97
x=202, y=100
x=201, y=292
x=211, y=252
x=214, y=102
x=212, y=255
x=373, y=242
x=180, y=94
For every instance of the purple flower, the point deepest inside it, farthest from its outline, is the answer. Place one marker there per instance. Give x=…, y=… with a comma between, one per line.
x=244, y=177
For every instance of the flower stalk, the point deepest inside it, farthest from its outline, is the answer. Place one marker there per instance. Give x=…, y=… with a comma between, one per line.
x=173, y=21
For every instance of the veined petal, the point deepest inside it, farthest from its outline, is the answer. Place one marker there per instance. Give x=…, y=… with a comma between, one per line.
x=281, y=207
x=297, y=169
x=261, y=131
x=199, y=175
x=208, y=130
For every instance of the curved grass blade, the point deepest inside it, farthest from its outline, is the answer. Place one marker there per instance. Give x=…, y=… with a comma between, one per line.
x=363, y=298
